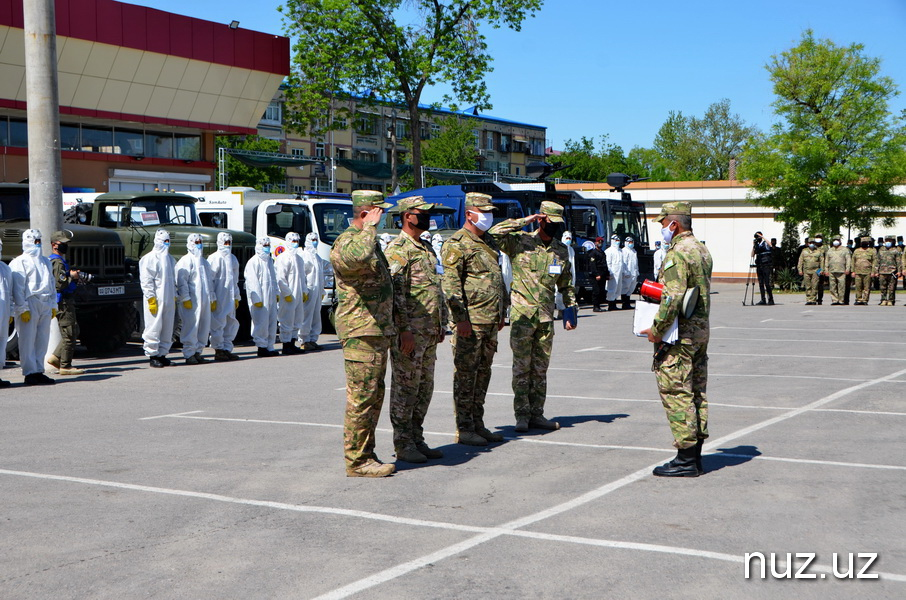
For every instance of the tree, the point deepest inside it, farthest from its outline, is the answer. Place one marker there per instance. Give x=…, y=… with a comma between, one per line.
x=452, y=148
x=835, y=155
x=589, y=162
x=357, y=49
x=239, y=174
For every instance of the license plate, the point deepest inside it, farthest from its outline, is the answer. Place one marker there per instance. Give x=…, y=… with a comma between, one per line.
x=112, y=290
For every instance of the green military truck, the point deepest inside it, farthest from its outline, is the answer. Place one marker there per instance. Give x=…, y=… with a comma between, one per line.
x=105, y=306
x=136, y=216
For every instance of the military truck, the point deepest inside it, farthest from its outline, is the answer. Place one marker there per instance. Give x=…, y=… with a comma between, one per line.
x=136, y=216
x=105, y=306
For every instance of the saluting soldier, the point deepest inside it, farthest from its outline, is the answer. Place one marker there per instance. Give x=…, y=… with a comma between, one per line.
x=811, y=260
x=838, y=263
x=420, y=317
x=364, y=323
x=540, y=267
x=477, y=301
x=865, y=267
x=889, y=270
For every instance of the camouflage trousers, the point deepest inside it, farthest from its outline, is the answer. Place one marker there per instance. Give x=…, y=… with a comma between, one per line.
x=366, y=366
x=862, y=287
x=810, y=281
x=531, y=342
x=69, y=331
x=472, y=359
x=682, y=379
x=888, y=287
x=411, y=388
x=837, y=286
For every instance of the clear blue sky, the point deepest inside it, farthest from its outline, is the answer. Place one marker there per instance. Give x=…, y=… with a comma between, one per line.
x=593, y=67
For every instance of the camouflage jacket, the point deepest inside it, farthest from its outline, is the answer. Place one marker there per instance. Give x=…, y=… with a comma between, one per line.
x=865, y=261
x=810, y=261
x=417, y=295
x=838, y=260
x=888, y=261
x=363, y=285
x=687, y=264
x=472, y=281
x=540, y=269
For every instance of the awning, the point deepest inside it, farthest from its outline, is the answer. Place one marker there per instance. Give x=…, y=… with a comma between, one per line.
x=520, y=138
x=373, y=170
x=254, y=158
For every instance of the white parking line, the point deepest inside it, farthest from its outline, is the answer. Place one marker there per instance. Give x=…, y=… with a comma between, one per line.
x=837, y=342
x=648, y=372
x=762, y=355
x=813, y=329
x=171, y=415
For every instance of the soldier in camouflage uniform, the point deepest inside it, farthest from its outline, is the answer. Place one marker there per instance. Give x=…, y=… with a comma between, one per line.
x=477, y=301
x=811, y=261
x=420, y=316
x=889, y=270
x=365, y=326
x=838, y=263
x=865, y=266
x=681, y=369
x=540, y=267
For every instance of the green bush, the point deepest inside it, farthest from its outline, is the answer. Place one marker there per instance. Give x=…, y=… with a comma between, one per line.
x=788, y=280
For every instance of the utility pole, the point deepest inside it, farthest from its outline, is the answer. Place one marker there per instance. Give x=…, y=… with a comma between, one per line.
x=392, y=135
x=45, y=169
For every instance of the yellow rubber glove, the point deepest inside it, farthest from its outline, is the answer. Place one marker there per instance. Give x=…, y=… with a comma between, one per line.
x=214, y=306
x=289, y=298
x=53, y=313
x=259, y=304
x=236, y=304
x=187, y=305
x=11, y=319
x=304, y=297
x=152, y=306
x=26, y=316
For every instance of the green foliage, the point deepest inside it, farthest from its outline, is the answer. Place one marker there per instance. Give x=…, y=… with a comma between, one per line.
x=787, y=280
x=391, y=50
x=837, y=152
x=239, y=174
x=589, y=161
x=453, y=148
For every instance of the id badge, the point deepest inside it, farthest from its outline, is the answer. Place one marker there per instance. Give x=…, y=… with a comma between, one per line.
x=439, y=268
x=554, y=269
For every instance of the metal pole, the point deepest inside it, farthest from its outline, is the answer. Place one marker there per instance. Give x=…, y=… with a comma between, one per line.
x=45, y=169
x=393, y=151
x=222, y=167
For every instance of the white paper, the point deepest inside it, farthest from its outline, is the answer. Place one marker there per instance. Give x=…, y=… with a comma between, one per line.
x=644, y=319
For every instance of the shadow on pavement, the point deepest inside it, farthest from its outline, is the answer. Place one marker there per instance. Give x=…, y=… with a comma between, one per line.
x=574, y=420
x=454, y=454
x=729, y=457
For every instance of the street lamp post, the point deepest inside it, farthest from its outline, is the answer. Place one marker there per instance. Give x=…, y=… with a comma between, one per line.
x=391, y=134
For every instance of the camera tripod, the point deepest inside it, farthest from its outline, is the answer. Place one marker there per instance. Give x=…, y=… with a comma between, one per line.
x=750, y=283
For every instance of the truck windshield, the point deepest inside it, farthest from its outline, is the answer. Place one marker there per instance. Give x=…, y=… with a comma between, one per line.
x=14, y=206
x=627, y=222
x=507, y=209
x=169, y=213
x=333, y=219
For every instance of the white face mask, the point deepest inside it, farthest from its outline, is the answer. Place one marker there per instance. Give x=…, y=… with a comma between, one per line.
x=819, y=240
x=484, y=222
x=888, y=244
x=836, y=243
x=667, y=234
x=812, y=246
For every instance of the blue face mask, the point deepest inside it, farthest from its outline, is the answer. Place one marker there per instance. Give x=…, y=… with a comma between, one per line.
x=38, y=245
x=167, y=244
x=294, y=245
x=314, y=243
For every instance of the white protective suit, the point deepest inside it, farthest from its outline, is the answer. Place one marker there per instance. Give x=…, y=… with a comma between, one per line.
x=659, y=255
x=567, y=239
x=157, y=273
x=630, y=269
x=615, y=266
x=6, y=302
x=194, y=286
x=385, y=238
x=225, y=275
x=290, y=268
x=316, y=271
x=35, y=293
x=261, y=290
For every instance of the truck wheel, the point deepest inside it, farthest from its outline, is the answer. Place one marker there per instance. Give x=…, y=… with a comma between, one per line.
x=109, y=328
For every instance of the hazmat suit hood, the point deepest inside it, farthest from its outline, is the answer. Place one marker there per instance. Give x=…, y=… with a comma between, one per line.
x=291, y=238
x=160, y=237
x=29, y=247
x=263, y=248
x=425, y=236
x=386, y=238
x=310, y=240
x=194, y=244
x=567, y=238
x=222, y=238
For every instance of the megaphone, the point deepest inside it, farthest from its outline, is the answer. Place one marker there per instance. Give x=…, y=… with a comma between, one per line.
x=652, y=291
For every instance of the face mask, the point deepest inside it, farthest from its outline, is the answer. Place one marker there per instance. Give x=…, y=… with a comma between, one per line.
x=314, y=243
x=484, y=222
x=888, y=244
x=630, y=245
x=553, y=229
x=62, y=248
x=865, y=244
x=196, y=249
x=167, y=244
x=667, y=234
x=836, y=243
x=294, y=245
x=819, y=240
x=423, y=221
x=615, y=243
x=812, y=246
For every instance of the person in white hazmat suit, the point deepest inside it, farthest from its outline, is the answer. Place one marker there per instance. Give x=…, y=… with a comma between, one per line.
x=385, y=239
x=659, y=253
x=157, y=274
x=316, y=271
x=6, y=317
x=194, y=286
x=34, y=306
x=226, y=295
x=615, y=265
x=261, y=293
x=630, y=271
x=567, y=239
x=291, y=281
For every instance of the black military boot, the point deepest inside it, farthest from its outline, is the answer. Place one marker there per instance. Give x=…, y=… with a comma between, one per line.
x=698, y=456
x=626, y=303
x=612, y=305
x=681, y=466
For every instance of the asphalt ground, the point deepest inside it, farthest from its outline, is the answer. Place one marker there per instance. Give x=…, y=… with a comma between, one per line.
x=227, y=480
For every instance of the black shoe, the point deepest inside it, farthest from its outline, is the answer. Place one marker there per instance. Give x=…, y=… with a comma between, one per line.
x=597, y=309
x=762, y=303
x=221, y=356
x=193, y=360
x=165, y=361
x=38, y=379
x=698, y=456
x=771, y=302
x=157, y=363
x=264, y=353
x=4, y=383
x=542, y=423
x=612, y=305
x=681, y=466
x=201, y=359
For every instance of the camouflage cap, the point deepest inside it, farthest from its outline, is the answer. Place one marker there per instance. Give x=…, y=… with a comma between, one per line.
x=369, y=198
x=413, y=202
x=890, y=238
x=64, y=236
x=553, y=211
x=838, y=237
x=673, y=208
x=479, y=201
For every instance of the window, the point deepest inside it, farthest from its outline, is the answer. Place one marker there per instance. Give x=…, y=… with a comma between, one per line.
x=4, y=131
x=129, y=141
x=402, y=129
x=320, y=184
x=69, y=137
x=341, y=152
x=366, y=123
x=167, y=211
x=332, y=219
x=489, y=140
x=503, y=168
x=504, y=142
x=18, y=133
x=298, y=152
x=341, y=123
x=98, y=139
x=158, y=144
x=477, y=137
x=273, y=112
x=188, y=147
x=319, y=149
x=217, y=220
x=366, y=155
x=435, y=130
